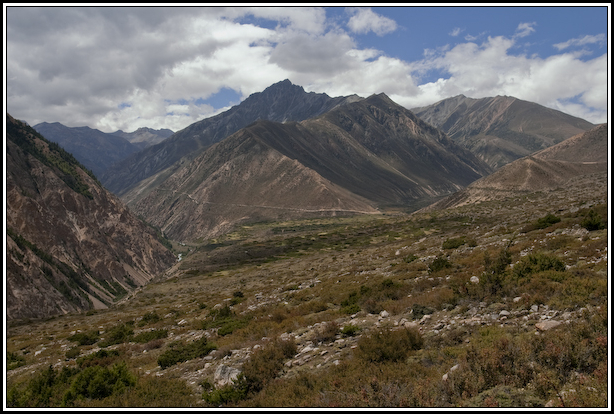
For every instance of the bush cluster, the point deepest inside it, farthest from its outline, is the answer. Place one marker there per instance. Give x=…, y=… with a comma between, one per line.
x=389, y=345
x=179, y=352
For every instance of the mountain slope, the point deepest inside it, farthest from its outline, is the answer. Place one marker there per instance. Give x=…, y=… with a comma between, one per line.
x=547, y=169
x=501, y=129
x=367, y=154
x=71, y=245
x=280, y=102
x=95, y=149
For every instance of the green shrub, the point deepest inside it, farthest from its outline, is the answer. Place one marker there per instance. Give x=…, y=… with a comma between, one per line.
x=418, y=311
x=85, y=338
x=14, y=360
x=537, y=262
x=592, y=221
x=102, y=357
x=410, y=258
x=227, y=394
x=117, y=334
x=264, y=365
x=73, y=353
x=453, y=243
x=350, y=330
x=547, y=221
x=148, y=336
x=389, y=345
x=99, y=382
x=327, y=331
x=149, y=317
x=438, y=264
x=179, y=352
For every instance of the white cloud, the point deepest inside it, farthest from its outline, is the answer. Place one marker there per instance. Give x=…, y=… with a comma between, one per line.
x=122, y=68
x=524, y=29
x=456, y=31
x=581, y=41
x=364, y=20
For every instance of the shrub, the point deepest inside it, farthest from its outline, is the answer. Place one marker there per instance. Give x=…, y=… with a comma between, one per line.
x=147, y=336
x=350, y=330
x=14, y=360
x=389, y=345
x=116, y=335
x=179, y=352
x=73, y=353
x=418, y=311
x=535, y=263
x=453, y=243
x=85, y=338
x=149, y=317
x=592, y=221
x=547, y=221
x=327, y=332
x=263, y=365
x=99, y=382
x=102, y=357
x=438, y=264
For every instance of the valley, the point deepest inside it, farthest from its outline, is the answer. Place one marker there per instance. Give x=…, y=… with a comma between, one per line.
x=304, y=299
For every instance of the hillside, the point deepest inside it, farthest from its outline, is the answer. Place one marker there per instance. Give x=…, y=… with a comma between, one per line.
x=71, y=245
x=502, y=128
x=280, y=102
x=354, y=159
x=475, y=306
x=551, y=168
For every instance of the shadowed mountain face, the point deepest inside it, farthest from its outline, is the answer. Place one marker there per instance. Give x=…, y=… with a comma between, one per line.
x=95, y=149
x=71, y=245
x=356, y=158
x=501, y=129
x=280, y=102
x=578, y=156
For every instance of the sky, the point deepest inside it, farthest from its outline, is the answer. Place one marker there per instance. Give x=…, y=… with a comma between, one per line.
x=113, y=68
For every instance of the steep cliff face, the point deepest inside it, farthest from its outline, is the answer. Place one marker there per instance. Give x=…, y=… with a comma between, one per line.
x=280, y=102
x=501, y=129
x=356, y=158
x=71, y=245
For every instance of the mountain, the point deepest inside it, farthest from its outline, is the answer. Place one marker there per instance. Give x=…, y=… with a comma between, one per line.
x=501, y=129
x=280, y=102
x=356, y=158
x=144, y=137
x=71, y=245
x=95, y=149
x=551, y=168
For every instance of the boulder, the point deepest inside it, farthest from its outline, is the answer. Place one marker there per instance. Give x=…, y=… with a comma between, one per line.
x=224, y=375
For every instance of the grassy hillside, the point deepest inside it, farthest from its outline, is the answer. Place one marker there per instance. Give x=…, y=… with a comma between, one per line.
x=496, y=304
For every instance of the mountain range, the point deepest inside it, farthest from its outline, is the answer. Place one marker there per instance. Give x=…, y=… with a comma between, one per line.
x=281, y=154
x=98, y=150
x=280, y=102
x=548, y=169
x=358, y=157
x=501, y=129
x=71, y=244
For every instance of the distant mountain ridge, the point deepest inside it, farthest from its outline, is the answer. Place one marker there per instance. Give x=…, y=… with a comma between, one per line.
x=144, y=137
x=501, y=129
x=71, y=244
x=279, y=102
x=580, y=155
x=95, y=149
x=354, y=158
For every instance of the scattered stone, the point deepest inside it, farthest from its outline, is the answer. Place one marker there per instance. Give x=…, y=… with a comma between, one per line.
x=547, y=324
x=517, y=299
x=225, y=375
x=474, y=279
x=384, y=314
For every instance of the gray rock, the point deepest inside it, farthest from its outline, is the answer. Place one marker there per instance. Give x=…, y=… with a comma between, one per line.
x=224, y=375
